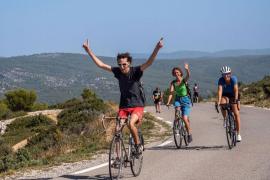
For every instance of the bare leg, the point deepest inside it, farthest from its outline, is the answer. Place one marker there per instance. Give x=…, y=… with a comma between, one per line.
x=133, y=128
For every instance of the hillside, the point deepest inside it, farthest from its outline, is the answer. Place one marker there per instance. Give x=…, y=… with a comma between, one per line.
x=57, y=77
x=256, y=93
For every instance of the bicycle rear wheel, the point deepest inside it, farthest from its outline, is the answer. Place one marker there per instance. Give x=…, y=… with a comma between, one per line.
x=116, y=158
x=177, y=133
x=136, y=161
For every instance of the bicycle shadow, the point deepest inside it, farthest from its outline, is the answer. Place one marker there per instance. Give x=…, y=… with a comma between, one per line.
x=190, y=148
x=97, y=177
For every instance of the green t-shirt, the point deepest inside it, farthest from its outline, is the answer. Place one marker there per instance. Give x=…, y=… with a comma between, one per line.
x=181, y=89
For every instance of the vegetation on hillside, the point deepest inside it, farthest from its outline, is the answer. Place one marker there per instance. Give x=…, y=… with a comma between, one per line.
x=77, y=135
x=256, y=93
x=17, y=102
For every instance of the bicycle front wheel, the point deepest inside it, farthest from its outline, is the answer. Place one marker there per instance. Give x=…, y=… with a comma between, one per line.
x=136, y=161
x=229, y=132
x=177, y=130
x=185, y=134
x=116, y=158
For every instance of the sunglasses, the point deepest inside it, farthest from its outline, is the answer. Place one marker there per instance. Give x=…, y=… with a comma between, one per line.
x=226, y=74
x=124, y=64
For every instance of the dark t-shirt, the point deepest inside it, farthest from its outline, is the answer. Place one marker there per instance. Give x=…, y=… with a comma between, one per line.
x=132, y=94
x=157, y=94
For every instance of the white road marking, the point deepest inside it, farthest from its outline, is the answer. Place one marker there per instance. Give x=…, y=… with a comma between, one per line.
x=90, y=169
x=106, y=164
x=165, y=143
x=169, y=122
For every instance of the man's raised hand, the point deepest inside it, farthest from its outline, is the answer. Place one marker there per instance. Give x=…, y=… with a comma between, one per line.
x=86, y=45
x=160, y=43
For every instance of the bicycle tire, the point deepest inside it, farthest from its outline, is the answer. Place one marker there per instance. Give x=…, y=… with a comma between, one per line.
x=185, y=134
x=177, y=133
x=233, y=130
x=229, y=131
x=135, y=161
x=115, y=170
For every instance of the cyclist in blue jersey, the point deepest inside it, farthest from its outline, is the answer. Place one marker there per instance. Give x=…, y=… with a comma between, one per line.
x=228, y=92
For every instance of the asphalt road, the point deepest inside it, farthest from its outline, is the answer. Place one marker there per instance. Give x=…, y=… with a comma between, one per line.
x=208, y=156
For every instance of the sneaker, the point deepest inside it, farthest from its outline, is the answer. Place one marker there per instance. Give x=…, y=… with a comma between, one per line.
x=224, y=123
x=239, y=138
x=116, y=163
x=138, y=150
x=189, y=138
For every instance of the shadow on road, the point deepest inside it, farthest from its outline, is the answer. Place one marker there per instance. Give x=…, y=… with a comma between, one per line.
x=197, y=148
x=97, y=177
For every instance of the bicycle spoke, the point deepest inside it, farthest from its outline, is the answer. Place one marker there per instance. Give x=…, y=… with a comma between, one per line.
x=177, y=133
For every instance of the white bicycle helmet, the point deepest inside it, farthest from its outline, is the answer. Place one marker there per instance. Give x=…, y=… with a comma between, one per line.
x=225, y=69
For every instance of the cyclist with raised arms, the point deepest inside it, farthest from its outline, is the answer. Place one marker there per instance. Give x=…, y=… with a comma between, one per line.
x=228, y=92
x=182, y=100
x=132, y=100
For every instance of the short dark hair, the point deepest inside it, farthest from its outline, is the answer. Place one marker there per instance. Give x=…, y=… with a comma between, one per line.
x=124, y=55
x=177, y=68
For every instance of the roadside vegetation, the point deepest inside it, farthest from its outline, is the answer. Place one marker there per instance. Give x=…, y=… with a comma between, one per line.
x=256, y=93
x=18, y=102
x=77, y=135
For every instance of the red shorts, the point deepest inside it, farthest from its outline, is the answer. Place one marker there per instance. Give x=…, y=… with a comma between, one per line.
x=124, y=112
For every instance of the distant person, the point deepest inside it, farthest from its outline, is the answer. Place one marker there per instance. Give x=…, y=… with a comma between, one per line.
x=228, y=92
x=132, y=100
x=157, y=98
x=182, y=100
x=196, y=93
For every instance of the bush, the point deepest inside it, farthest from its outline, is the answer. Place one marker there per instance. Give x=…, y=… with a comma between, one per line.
x=88, y=94
x=3, y=110
x=39, y=107
x=68, y=104
x=20, y=99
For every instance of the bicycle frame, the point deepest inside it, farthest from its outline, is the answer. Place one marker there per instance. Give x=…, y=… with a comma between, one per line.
x=179, y=130
x=119, y=151
x=230, y=124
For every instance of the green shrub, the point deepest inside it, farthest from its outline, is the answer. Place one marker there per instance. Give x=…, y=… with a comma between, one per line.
x=88, y=94
x=20, y=99
x=39, y=107
x=5, y=149
x=69, y=103
x=3, y=110
x=26, y=127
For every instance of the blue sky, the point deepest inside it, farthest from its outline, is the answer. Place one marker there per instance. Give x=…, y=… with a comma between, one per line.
x=36, y=26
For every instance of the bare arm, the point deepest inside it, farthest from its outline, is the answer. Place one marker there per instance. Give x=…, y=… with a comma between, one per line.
x=153, y=55
x=171, y=94
x=187, y=72
x=235, y=89
x=219, y=94
x=96, y=60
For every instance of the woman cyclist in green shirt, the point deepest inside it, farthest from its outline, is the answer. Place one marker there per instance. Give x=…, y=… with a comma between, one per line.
x=182, y=101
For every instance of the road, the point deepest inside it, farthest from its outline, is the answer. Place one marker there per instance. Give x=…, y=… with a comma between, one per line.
x=208, y=156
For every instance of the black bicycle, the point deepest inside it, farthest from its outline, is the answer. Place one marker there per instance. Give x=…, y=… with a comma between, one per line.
x=122, y=151
x=179, y=130
x=230, y=125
